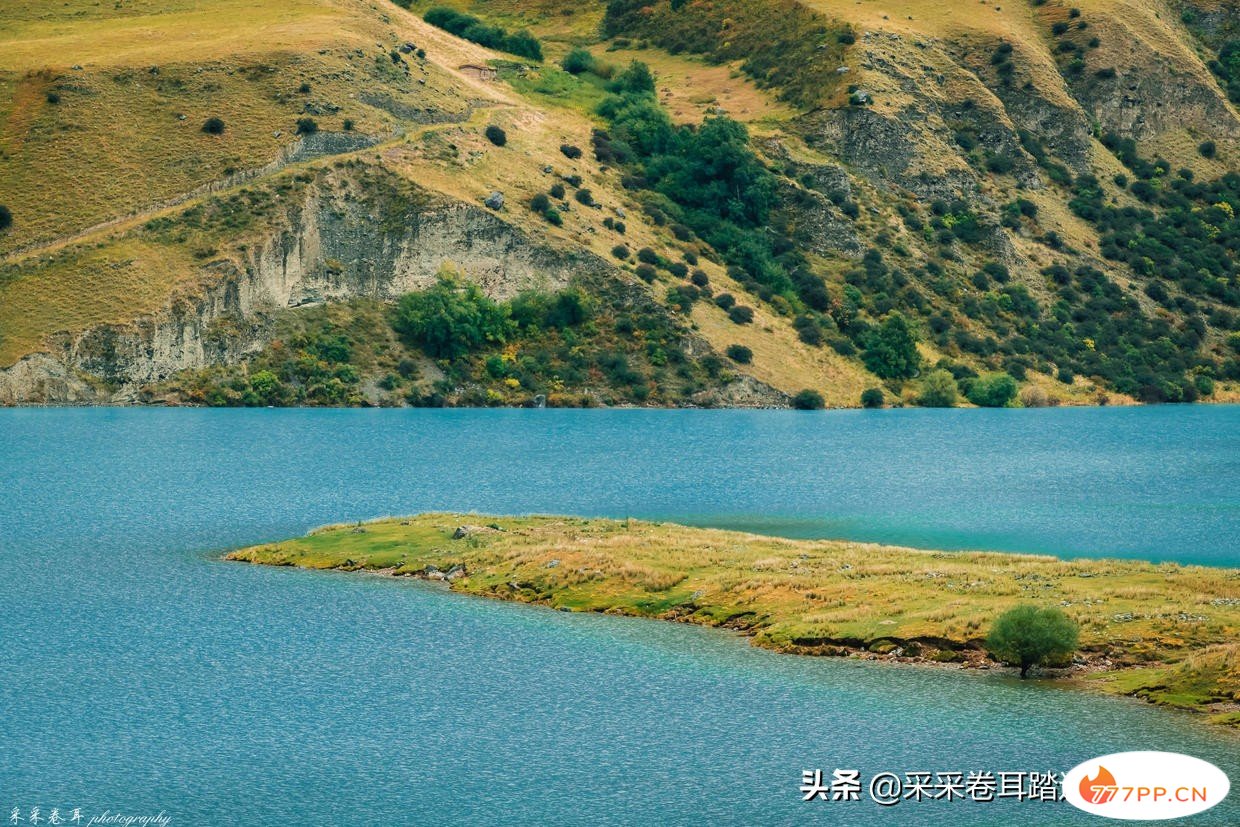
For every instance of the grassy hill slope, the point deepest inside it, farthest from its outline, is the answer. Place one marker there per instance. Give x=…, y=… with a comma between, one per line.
x=1041, y=190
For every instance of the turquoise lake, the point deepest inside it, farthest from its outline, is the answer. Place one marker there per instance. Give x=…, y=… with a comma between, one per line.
x=139, y=673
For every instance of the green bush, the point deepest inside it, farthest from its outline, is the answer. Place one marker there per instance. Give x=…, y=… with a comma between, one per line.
x=1207, y=149
x=740, y=314
x=496, y=135
x=808, y=400
x=996, y=390
x=740, y=354
x=891, y=349
x=6, y=217
x=213, y=126
x=307, y=126
x=872, y=398
x=938, y=390
x=475, y=30
x=1027, y=636
x=578, y=61
x=451, y=318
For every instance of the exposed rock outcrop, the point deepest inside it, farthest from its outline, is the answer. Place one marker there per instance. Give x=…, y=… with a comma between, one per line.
x=329, y=247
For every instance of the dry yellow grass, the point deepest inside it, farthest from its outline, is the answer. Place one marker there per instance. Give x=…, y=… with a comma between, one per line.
x=143, y=32
x=126, y=133
x=113, y=283
x=691, y=88
x=116, y=143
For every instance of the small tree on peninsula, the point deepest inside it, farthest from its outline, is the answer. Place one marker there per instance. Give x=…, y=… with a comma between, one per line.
x=1027, y=636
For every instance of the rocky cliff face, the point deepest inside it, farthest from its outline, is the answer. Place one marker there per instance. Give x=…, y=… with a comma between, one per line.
x=335, y=244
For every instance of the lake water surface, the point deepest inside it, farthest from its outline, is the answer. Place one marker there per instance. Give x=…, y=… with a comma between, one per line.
x=140, y=673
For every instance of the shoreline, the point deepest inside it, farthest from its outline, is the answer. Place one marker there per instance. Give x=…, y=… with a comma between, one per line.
x=1166, y=633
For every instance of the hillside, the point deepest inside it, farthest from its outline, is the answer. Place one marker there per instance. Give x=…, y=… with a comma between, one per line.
x=217, y=205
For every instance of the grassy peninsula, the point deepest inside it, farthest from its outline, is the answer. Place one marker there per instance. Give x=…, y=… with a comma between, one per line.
x=1164, y=632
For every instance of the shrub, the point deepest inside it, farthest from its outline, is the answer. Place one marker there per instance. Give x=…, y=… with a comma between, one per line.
x=740, y=314
x=1027, y=636
x=347, y=125
x=740, y=354
x=304, y=88
x=571, y=152
x=493, y=37
x=727, y=302
x=938, y=390
x=700, y=278
x=620, y=251
x=578, y=61
x=1035, y=397
x=53, y=97
x=213, y=126
x=891, y=349
x=450, y=319
x=647, y=255
x=557, y=190
x=872, y=398
x=808, y=400
x=584, y=197
x=496, y=135
x=999, y=164
x=540, y=203
x=993, y=391
x=307, y=126
x=681, y=270
x=809, y=332
x=6, y=217
x=682, y=297
x=1207, y=149
x=646, y=273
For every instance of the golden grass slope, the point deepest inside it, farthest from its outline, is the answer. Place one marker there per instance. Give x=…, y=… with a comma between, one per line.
x=115, y=145
x=133, y=87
